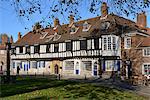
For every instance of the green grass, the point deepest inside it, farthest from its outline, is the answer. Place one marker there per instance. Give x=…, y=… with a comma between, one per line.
x=44, y=89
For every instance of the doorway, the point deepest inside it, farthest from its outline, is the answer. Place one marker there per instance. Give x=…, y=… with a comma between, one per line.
x=56, y=70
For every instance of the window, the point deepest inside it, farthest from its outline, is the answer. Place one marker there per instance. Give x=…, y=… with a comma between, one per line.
x=68, y=46
x=83, y=45
x=56, y=48
x=28, y=50
x=13, y=65
x=73, y=29
x=42, y=64
x=34, y=64
x=87, y=65
x=48, y=48
x=96, y=43
x=13, y=51
x=37, y=49
x=146, y=69
x=109, y=43
x=86, y=26
x=76, y=45
x=21, y=49
x=69, y=65
x=105, y=43
x=109, y=65
x=146, y=51
x=89, y=44
x=127, y=42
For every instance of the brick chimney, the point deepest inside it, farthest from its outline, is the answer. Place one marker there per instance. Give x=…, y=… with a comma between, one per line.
x=142, y=19
x=4, y=39
x=56, y=22
x=11, y=39
x=71, y=19
x=104, y=9
x=19, y=35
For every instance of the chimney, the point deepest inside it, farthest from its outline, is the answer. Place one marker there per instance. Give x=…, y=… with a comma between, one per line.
x=19, y=35
x=4, y=39
x=56, y=22
x=11, y=39
x=71, y=19
x=104, y=9
x=142, y=19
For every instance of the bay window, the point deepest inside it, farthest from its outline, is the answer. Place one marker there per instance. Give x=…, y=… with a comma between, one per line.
x=109, y=42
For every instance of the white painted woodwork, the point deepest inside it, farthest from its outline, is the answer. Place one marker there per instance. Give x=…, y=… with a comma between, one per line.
x=32, y=49
x=42, y=48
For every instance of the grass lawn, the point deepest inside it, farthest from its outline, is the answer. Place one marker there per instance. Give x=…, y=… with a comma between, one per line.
x=46, y=89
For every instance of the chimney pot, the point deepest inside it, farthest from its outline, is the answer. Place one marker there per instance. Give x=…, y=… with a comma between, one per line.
x=71, y=19
x=19, y=35
x=56, y=22
x=104, y=9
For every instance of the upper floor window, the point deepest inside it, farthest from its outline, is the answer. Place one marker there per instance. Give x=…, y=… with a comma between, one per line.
x=90, y=44
x=96, y=43
x=146, y=51
x=56, y=48
x=48, y=48
x=28, y=49
x=83, y=45
x=73, y=29
x=21, y=49
x=127, y=42
x=109, y=43
x=86, y=26
x=37, y=49
x=68, y=46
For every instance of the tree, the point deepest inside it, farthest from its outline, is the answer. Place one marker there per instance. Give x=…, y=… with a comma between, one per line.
x=63, y=8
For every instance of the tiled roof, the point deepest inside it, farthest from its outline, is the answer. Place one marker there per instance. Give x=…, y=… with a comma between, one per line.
x=32, y=38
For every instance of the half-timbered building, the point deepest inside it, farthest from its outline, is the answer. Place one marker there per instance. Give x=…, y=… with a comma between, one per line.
x=86, y=48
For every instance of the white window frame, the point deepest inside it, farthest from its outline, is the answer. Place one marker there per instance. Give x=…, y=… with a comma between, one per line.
x=147, y=52
x=126, y=45
x=109, y=45
x=143, y=71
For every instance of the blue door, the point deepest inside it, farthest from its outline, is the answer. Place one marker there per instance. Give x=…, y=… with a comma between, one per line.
x=95, y=72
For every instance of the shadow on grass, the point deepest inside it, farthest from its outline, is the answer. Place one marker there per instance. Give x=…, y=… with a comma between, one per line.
x=31, y=84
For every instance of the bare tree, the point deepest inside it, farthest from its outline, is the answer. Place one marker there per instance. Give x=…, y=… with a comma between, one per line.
x=63, y=8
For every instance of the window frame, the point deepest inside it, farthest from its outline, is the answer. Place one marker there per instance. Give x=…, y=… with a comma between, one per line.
x=83, y=44
x=36, y=49
x=146, y=52
x=126, y=42
x=21, y=49
x=148, y=68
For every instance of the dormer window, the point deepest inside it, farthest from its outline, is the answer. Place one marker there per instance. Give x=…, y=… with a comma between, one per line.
x=73, y=29
x=56, y=37
x=86, y=26
x=43, y=35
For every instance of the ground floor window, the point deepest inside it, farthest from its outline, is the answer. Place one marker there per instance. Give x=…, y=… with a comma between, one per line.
x=87, y=65
x=146, y=69
x=111, y=65
x=69, y=65
x=34, y=64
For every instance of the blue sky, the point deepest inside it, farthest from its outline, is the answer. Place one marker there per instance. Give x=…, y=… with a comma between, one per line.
x=11, y=24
